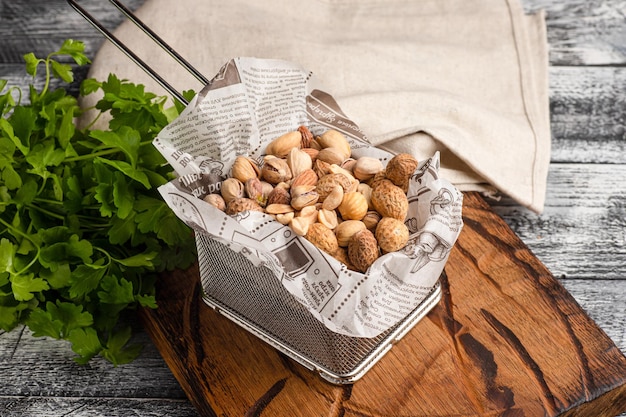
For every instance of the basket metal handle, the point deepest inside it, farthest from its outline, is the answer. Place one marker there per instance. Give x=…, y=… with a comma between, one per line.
x=130, y=54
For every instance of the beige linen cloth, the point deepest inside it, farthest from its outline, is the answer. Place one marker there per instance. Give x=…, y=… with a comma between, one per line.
x=465, y=77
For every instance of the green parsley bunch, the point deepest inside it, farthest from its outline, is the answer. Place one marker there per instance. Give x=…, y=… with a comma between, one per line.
x=84, y=232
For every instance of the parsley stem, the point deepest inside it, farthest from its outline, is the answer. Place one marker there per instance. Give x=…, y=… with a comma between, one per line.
x=105, y=253
x=92, y=155
x=25, y=236
x=47, y=84
x=95, y=119
x=105, y=152
x=48, y=201
x=60, y=203
x=46, y=212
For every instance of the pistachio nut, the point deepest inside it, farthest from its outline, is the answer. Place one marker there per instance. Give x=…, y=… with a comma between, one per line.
x=303, y=195
x=366, y=167
x=331, y=155
x=216, y=201
x=232, y=188
x=298, y=161
x=275, y=170
x=244, y=168
x=254, y=191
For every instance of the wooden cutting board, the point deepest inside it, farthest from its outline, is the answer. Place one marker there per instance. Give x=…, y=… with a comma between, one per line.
x=506, y=340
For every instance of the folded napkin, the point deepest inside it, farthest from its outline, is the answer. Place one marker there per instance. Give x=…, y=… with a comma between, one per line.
x=465, y=77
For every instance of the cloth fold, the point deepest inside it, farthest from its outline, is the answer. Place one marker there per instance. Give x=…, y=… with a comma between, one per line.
x=468, y=78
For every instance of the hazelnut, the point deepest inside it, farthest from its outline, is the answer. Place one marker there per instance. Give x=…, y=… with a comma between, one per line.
x=363, y=250
x=391, y=234
x=371, y=220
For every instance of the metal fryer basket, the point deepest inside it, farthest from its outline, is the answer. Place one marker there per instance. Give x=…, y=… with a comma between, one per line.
x=256, y=300
x=253, y=297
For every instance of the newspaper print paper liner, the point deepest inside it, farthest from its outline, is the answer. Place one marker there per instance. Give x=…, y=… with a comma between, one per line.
x=251, y=102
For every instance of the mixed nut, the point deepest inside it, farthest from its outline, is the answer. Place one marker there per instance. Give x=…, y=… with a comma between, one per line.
x=351, y=208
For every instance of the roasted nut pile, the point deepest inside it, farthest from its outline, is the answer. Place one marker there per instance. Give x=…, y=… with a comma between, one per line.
x=353, y=209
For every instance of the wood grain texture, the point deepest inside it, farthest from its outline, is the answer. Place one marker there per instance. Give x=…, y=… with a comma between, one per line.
x=587, y=114
x=45, y=367
x=39, y=26
x=581, y=233
x=584, y=32
x=579, y=239
x=93, y=407
x=507, y=339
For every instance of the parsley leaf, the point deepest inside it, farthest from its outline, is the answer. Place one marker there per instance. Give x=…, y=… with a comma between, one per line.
x=25, y=286
x=83, y=230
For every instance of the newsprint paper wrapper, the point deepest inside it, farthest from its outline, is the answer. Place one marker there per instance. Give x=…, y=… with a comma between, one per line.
x=248, y=104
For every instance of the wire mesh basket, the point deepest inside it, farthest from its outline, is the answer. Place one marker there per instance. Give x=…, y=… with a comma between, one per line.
x=255, y=299
x=252, y=297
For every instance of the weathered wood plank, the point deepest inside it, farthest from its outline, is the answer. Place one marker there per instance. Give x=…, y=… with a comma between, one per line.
x=587, y=114
x=90, y=407
x=40, y=25
x=605, y=302
x=584, y=32
x=44, y=367
x=582, y=232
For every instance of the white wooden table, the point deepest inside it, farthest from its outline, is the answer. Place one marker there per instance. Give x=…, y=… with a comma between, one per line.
x=580, y=237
